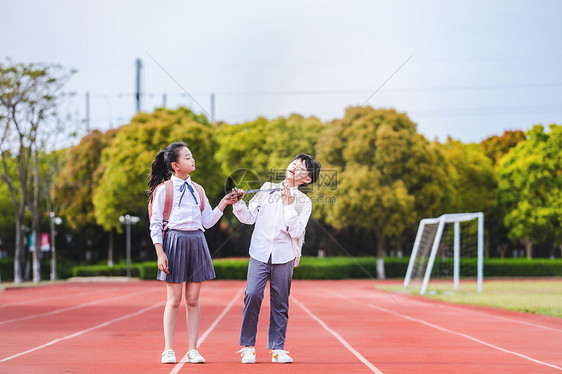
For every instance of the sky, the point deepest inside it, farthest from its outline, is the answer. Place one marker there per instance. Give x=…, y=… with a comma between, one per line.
x=465, y=69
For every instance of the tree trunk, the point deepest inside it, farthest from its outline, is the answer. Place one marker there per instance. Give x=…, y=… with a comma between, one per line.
x=502, y=249
x=18, y=278
x=528, y=247
x=380, y=257
x=399, y=252
x=36, y=221
x=110, y=249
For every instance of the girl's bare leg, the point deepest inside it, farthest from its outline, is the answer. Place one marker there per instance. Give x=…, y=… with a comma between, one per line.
x=193, y=316
x=173, y=302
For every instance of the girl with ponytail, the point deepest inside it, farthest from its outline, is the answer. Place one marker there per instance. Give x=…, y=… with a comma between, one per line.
x=184, y=261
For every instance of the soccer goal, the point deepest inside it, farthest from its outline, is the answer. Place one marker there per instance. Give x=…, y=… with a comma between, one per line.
x=440, y=245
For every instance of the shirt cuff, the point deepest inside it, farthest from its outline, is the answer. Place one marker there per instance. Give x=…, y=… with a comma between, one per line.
x=218, y=212
x=157, y=240
x=238, y=205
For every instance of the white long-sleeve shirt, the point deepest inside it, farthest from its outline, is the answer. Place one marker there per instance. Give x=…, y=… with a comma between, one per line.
x=275, y=224
x=187, y=216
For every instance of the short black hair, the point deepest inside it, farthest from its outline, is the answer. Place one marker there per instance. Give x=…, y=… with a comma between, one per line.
x=312, y=165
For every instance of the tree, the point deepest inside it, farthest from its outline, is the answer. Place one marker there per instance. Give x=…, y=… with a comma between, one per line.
x=473, y=179
x=265, y=148
x=530, y=187
x=78, y=180
x=494, y=147
x=29, y=96
x=125, y=164
x=389, y=176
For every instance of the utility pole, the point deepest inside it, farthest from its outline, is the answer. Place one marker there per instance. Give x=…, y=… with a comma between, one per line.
x=138, y=92
x=87, y=119
x=163, y=100
x=213, y=107
x=54, y=221
x=128, y=220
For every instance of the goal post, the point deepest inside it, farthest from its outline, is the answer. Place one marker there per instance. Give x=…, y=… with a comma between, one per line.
x=429, y=236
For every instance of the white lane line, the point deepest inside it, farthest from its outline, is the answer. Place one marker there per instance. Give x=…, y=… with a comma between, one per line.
x=504, y=318
x=463, y=335
x=337, y=336
x=70, y=308
x=183, y=361
x=82, y=332
x=44, y=298
x=465, y=310
x=528, y=323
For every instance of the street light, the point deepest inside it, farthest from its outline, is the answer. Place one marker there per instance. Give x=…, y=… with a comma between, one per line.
x=128, y=220
x=54, y=221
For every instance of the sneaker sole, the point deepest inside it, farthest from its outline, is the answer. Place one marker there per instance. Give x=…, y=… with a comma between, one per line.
x=281, y=362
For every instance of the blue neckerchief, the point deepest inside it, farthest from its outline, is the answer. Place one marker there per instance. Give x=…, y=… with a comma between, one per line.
x=182, y=190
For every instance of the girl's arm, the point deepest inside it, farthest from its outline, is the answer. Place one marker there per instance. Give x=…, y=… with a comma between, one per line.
x=157, y=215
x=210, y=216
x=162, y=258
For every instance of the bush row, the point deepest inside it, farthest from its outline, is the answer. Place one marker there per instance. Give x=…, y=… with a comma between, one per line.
x=310, y=268
x=64, y=269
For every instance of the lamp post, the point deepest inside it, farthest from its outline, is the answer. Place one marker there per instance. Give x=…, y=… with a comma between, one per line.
x=54, y=221
x=128, y=221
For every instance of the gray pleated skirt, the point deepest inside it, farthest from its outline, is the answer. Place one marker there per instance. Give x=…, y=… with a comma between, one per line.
x=189, y=259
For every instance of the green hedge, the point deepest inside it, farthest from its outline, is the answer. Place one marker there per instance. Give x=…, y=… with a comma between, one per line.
x=365, y=267
x=64, y=269
x=521, y=267
x=142, y=270
x=310, y=268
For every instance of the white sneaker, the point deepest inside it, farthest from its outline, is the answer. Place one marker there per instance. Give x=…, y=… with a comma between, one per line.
x=248, y=355
x=168, y=357
x=280, y=356
x=194, y=357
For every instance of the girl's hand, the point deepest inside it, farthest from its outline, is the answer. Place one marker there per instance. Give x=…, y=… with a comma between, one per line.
x=297, y=261
x=231, y=198
x=163, y=262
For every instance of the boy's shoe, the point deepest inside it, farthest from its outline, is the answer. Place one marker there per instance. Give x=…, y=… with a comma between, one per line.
x=248, y=355
x=168, y=357
x=194, y=357
x=280, y=356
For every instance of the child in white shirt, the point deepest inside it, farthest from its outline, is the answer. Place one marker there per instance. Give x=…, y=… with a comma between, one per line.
x=280, y=219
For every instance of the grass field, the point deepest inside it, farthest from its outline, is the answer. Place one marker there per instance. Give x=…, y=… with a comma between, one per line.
x=538, y=296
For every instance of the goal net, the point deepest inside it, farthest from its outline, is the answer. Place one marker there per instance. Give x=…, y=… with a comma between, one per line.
x=445, y=249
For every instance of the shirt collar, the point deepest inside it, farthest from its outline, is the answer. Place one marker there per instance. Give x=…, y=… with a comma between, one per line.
x=280, y=185
x=177, y=180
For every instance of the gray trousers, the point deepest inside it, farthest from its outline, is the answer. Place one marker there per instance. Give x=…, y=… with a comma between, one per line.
x=280, y=276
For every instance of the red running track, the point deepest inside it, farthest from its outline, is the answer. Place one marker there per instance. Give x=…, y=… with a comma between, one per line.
x=334, y=327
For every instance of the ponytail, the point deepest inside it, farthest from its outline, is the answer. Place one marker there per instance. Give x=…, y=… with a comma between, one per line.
x=162, y=166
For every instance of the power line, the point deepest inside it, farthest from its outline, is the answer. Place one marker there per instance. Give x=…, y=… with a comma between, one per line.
x=342, y=92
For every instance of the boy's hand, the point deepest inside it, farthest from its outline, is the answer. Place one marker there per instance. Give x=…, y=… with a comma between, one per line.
x=238, y=193
x=286, y=195
x=297, y=261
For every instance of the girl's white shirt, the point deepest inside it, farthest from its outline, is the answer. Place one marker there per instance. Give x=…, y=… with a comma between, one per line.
x=185, y=217
x=275, y=224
